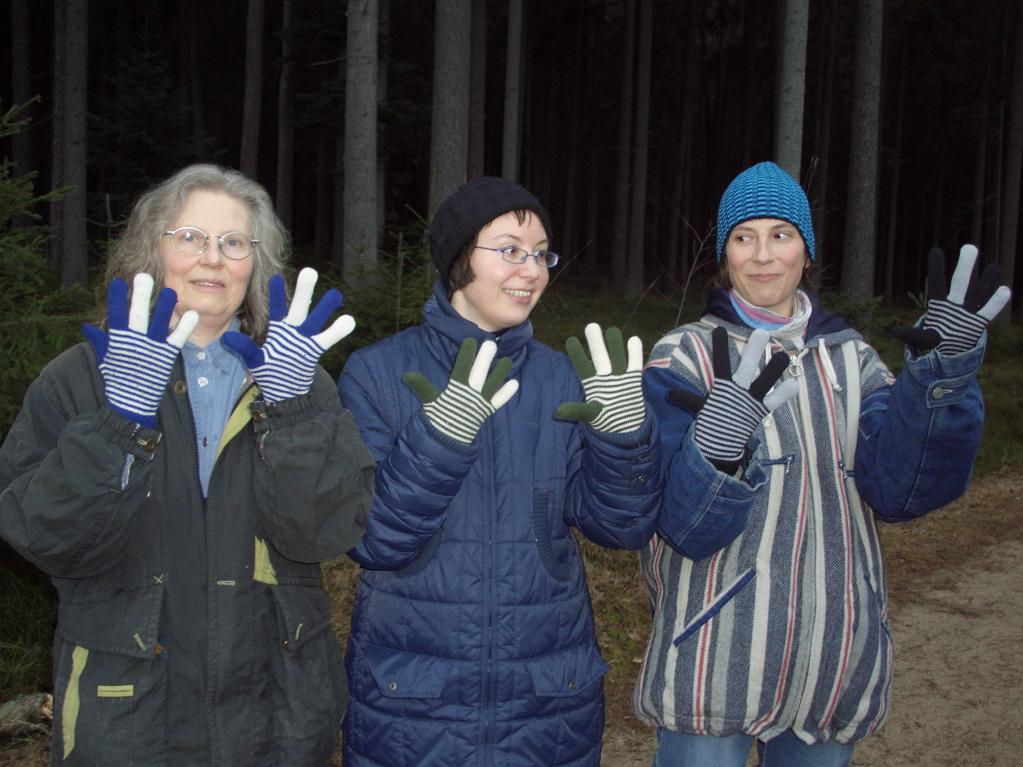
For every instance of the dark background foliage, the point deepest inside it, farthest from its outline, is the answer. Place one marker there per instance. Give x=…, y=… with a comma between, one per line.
x=166, y=85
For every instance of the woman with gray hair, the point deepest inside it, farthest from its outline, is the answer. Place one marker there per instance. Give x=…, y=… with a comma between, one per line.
x=180, y=476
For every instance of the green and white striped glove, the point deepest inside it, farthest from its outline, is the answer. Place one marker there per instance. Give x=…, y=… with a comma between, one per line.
x=471, y=395
x=612, y=383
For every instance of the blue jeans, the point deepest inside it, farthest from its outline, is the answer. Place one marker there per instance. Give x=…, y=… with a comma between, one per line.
x=676, y=749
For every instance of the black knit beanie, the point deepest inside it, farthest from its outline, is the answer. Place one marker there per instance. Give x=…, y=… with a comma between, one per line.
x=472, y=206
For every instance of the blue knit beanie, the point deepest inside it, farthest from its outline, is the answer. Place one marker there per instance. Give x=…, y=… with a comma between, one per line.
x=764, y=191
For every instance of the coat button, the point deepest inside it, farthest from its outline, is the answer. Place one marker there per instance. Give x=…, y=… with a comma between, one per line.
x=180, y=387
x=571, y=685
x=392, y=686
x=641, y=478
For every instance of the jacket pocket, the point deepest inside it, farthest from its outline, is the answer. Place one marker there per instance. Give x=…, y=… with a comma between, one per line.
x=401, y=674
x=566, y=673
x=723, y=598
x=555, y=544
x=308, y=687
x=110, y=688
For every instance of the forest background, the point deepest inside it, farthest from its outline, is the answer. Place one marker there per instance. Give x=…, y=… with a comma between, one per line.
x=903, y=119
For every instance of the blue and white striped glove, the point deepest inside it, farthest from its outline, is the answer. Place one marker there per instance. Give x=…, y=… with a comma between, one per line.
x=954, y=324
x=137, y=356
x=727, y=417
x=283, y=367
x=612, y=382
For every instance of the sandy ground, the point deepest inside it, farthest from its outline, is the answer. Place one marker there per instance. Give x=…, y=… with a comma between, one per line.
x=956, y=614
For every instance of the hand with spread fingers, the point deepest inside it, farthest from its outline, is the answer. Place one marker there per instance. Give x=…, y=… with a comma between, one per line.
x=471, y=396
x=137, y=356
x=283, y=367
x=612, y=382
x=727, y=417
x=954, y=325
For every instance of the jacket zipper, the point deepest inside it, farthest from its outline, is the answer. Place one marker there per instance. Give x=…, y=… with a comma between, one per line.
x=488, y=621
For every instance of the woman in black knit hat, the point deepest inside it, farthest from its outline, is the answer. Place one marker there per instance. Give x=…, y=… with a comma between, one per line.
x=472, y=638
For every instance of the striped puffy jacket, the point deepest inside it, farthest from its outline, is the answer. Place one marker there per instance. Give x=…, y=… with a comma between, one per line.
x=768, y=592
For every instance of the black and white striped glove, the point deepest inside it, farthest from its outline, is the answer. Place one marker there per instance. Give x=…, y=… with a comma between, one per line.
x=471, y=395
x=612, y=383
x=136, y=358
x=954, y=325
x=736, y=404
x=283, y=367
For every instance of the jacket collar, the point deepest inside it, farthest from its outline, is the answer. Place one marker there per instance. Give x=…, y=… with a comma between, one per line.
x=450, y=328
x=822, y=322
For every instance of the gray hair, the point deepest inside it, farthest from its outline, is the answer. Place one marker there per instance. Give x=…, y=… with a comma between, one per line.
x=138, y=248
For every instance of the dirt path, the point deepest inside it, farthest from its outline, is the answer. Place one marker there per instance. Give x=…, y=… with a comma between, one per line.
x=956, y=613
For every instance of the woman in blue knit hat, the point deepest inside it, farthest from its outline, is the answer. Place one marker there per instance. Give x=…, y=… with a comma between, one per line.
x=785, y=438
x=472, y=637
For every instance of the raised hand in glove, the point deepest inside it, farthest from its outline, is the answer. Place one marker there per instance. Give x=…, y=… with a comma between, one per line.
x=955, y=324
x=612, y=384
x=727, y=417
x=471, y=395
x=283, y=367
x=137, y=356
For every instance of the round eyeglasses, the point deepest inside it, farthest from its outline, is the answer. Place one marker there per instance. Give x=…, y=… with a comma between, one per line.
x=193, y=241
x=515, y=255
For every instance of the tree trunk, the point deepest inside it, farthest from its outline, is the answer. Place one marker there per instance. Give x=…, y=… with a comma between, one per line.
x=21, y=91
x=337, y=198
x=1013, y=159
x=592, y=234
x=383, y=64
x=749, y=87
x=893, y=204
x=252, y=108
x=620, y=228
x=788, y=123
x=449, y=126
x=58, y=145
x=637, y=251
x=324, y=184
x=861, y=219
x=994, y=225
x=74, y=267
x=819, y=184
x=195, y=77
x=590, y=147
x=567, y=235
x=477, y=89
x=980, y=165
x=512, y=93
x=285, y=129
x=360, y=172
x=681, y=214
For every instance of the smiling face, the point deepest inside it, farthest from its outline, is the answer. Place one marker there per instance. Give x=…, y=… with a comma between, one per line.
x=502, y=295
x=765, y=258
x=209, y=283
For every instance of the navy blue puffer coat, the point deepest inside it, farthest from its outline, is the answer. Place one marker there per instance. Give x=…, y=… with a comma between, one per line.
x=472, y=639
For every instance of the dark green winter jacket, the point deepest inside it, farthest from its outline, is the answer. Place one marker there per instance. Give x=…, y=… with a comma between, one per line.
x=191, y=630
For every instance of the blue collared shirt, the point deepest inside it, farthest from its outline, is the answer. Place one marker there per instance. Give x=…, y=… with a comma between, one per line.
x=215, y=376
